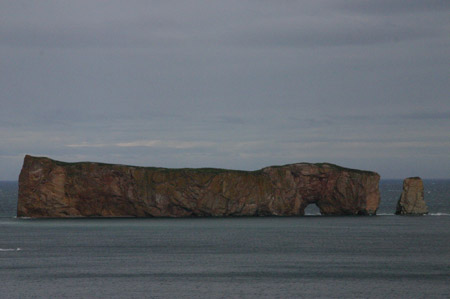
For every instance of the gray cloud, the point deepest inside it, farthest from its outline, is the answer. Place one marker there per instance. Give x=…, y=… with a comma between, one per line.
x=438, y=115
x=337, y=30
x=387, y=7
x=149, y=25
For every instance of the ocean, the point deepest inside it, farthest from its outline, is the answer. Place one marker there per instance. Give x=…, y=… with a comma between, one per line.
x=383, y=256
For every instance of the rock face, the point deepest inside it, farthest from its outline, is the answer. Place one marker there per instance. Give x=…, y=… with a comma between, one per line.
x=49, y=188
x=411, y=201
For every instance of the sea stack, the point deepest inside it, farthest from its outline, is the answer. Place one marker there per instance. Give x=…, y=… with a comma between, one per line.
x=411, y=201
x=49, y=188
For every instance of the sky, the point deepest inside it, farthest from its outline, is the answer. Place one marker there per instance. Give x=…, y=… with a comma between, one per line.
x=228, y=84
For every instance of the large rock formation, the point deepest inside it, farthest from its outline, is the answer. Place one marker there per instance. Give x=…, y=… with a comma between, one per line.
x=49, y=188
x=411, y=201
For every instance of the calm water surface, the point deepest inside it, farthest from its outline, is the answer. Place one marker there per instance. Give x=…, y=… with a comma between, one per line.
x=329, y=257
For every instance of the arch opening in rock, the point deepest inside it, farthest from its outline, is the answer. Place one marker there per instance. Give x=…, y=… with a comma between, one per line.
x=312, y=210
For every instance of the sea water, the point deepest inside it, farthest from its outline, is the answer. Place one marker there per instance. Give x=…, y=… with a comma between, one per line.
x=384, y=256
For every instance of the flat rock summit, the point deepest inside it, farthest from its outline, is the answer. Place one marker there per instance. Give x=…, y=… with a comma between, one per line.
x=49, y=188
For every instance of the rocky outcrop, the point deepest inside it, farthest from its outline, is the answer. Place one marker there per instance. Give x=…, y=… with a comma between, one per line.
x=49, y=188
x=411, y=201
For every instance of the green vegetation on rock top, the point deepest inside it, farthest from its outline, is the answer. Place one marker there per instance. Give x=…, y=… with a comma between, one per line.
x=326, y=164
x=204, y=170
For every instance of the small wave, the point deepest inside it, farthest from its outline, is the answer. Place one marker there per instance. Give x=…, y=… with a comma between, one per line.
x=438, y=214
x=429, y=214
x=10, y=249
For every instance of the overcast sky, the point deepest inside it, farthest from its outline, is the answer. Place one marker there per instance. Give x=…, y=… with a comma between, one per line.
x=230, y=84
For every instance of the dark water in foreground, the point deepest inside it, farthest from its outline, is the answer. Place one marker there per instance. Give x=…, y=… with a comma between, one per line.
x=329, y=257
x=334, y=257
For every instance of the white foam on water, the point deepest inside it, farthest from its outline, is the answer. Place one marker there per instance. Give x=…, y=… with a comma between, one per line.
x=10, y=249
x=429, y=214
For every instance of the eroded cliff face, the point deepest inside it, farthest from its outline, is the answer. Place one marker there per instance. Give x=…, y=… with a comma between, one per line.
x=49, y=188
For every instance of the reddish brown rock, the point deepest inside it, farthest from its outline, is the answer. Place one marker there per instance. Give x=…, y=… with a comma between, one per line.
x=49, y=188
x=412, y=202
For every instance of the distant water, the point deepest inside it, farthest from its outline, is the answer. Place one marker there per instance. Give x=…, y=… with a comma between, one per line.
x=8, y=199
x=383, y=256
